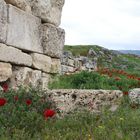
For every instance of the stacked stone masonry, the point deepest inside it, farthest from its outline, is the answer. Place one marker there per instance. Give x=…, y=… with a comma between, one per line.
x=31, y=42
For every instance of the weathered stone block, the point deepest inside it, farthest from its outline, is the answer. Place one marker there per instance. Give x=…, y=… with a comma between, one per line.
x=69, y=100
x=42, y=62
x=3, y=21
x=134, y=96
x=5, y=71
x=67, y=69
x=21, y=4
x=67, y=61
x=56, y=66
x=23, y=30
x=15, y=56
x=77, y=63
x=24, y=76
x=52, y=40
x=48, y=10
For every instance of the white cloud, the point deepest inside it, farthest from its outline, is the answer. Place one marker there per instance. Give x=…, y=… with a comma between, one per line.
x=110, y=23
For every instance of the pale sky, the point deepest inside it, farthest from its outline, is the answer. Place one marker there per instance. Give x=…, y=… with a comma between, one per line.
x=114, y=24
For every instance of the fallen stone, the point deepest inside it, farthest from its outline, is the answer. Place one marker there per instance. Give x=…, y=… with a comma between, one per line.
x=67, y=61
x=69, y=100
x=56, y=66
x=48, y=10
x=53, y=40
x=42, y=62
x=15, y=56
x=5, y=71
x=3, y=21
x=77, y=64
x=92, y=53
x=21, y=4
x=23, y=30
x=67, y=69
x=68, y=54
x=134, y=96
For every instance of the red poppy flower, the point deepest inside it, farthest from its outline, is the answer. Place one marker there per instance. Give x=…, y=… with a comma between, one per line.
x=2, y=101
x=16, y=98
x=139, y=79
x=49, y=113
x=117, y=78
x=5, y=87
x=28, y=102
x=125, y=92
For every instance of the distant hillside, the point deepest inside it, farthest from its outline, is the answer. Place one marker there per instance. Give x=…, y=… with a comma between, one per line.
x=107, y=58
x=136, y=52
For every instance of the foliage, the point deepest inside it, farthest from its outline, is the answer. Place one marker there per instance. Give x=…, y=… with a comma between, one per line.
x=122, y=124
x=96, y=80
x=23, y=110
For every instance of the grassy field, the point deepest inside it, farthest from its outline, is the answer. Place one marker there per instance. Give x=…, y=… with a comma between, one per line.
x=124, y=124
x=112, y=79
x=23, y=118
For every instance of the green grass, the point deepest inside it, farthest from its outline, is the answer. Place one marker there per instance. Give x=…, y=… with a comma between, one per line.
x=81, y=49
x=18, y=121
x=93, y=80
x=124, y=124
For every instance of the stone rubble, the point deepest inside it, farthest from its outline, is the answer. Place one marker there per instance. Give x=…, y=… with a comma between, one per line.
x=71, y=64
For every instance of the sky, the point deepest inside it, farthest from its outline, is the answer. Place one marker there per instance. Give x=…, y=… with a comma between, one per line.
x=113, y=24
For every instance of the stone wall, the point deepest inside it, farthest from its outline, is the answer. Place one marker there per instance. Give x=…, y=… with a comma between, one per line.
x=71, y=64
x=69, y=100
x=31, y=42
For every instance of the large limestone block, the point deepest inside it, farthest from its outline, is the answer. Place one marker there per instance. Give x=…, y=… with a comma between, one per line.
x=3, y=21
x=15, y=56
x=48, y=10
x=5, y=71
x=24, y=76
x=56, y=66
x=22, y=4
x=53, y=40
x=41, y=62
x=23, y=30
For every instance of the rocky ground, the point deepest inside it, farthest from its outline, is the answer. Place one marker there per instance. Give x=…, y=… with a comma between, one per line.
x=106, y=58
